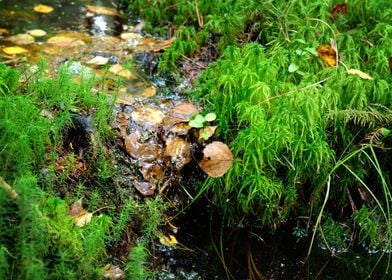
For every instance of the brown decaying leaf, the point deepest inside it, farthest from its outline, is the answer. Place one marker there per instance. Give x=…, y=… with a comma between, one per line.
x=80, y=216
x=43, y=9
x=142, y=151
x=217, y=159
x=339, y=9
x=179, y=151
x=180, y=113
x=145, y=188
x=113, y=272
x=147, y=115
x=361, y=74
x=152, y=172
x=327, y=54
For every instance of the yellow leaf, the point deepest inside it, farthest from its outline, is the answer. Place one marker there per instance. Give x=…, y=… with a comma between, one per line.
x=80, y=216
x=327, y=54
x=65, y=41
x=43, y=9
x=36, y=32
x=147, y=115
x=168, y=241
x=14, y=50
x=107, y=11
x=361, y=74
x=118, y=70
x=3, y=31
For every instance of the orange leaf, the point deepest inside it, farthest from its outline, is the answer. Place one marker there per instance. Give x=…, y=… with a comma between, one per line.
x=327, y=54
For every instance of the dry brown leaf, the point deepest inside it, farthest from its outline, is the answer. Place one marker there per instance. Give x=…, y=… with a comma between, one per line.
x=118, y=70
x=14, y=50
x=80, y=216
x=180, y=129
x=217, y=159
x=147, y=115
x=339, y=9
x=327, y=54
x=145, y=188
x=180, y=113
x=43, y=9
x=164, y=44
x=21, y=39
x=36, y=32
x=3, y=31
x=107, y=11
x=179, y=151
x=65, y=41
x=361, y=74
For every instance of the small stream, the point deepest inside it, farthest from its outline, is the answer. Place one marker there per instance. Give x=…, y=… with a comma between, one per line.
x=247, y=246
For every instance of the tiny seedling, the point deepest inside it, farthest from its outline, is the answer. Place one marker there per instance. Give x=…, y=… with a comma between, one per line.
x=198, y=121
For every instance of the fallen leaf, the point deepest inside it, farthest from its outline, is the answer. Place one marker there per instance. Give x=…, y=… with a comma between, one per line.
x=98, y=60
x=217, y=159
x=36, y=32
x=164, y=44
x=80, y=216
x=142, y=151
x=65, y=41
x=179, y=151
x=180, y=129
x=327, y=54
x=118, y=70
x=21, y=39
x=100, y=10
x=339, y=9
x=167, y=241
x=149, y=92
x=206, y=132
x=139, y=26
x=152, y=172
x=145, y=188
x=147, y=115
x=181, y=113
x=14, y=50
x=293, y=67
x=43, y=9
x=130, y=36
x=197, y=121
x=113, y=272
x=361, y=74
x=3, y=31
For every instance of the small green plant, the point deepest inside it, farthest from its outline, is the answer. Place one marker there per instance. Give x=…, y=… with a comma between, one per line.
x=198, y=121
